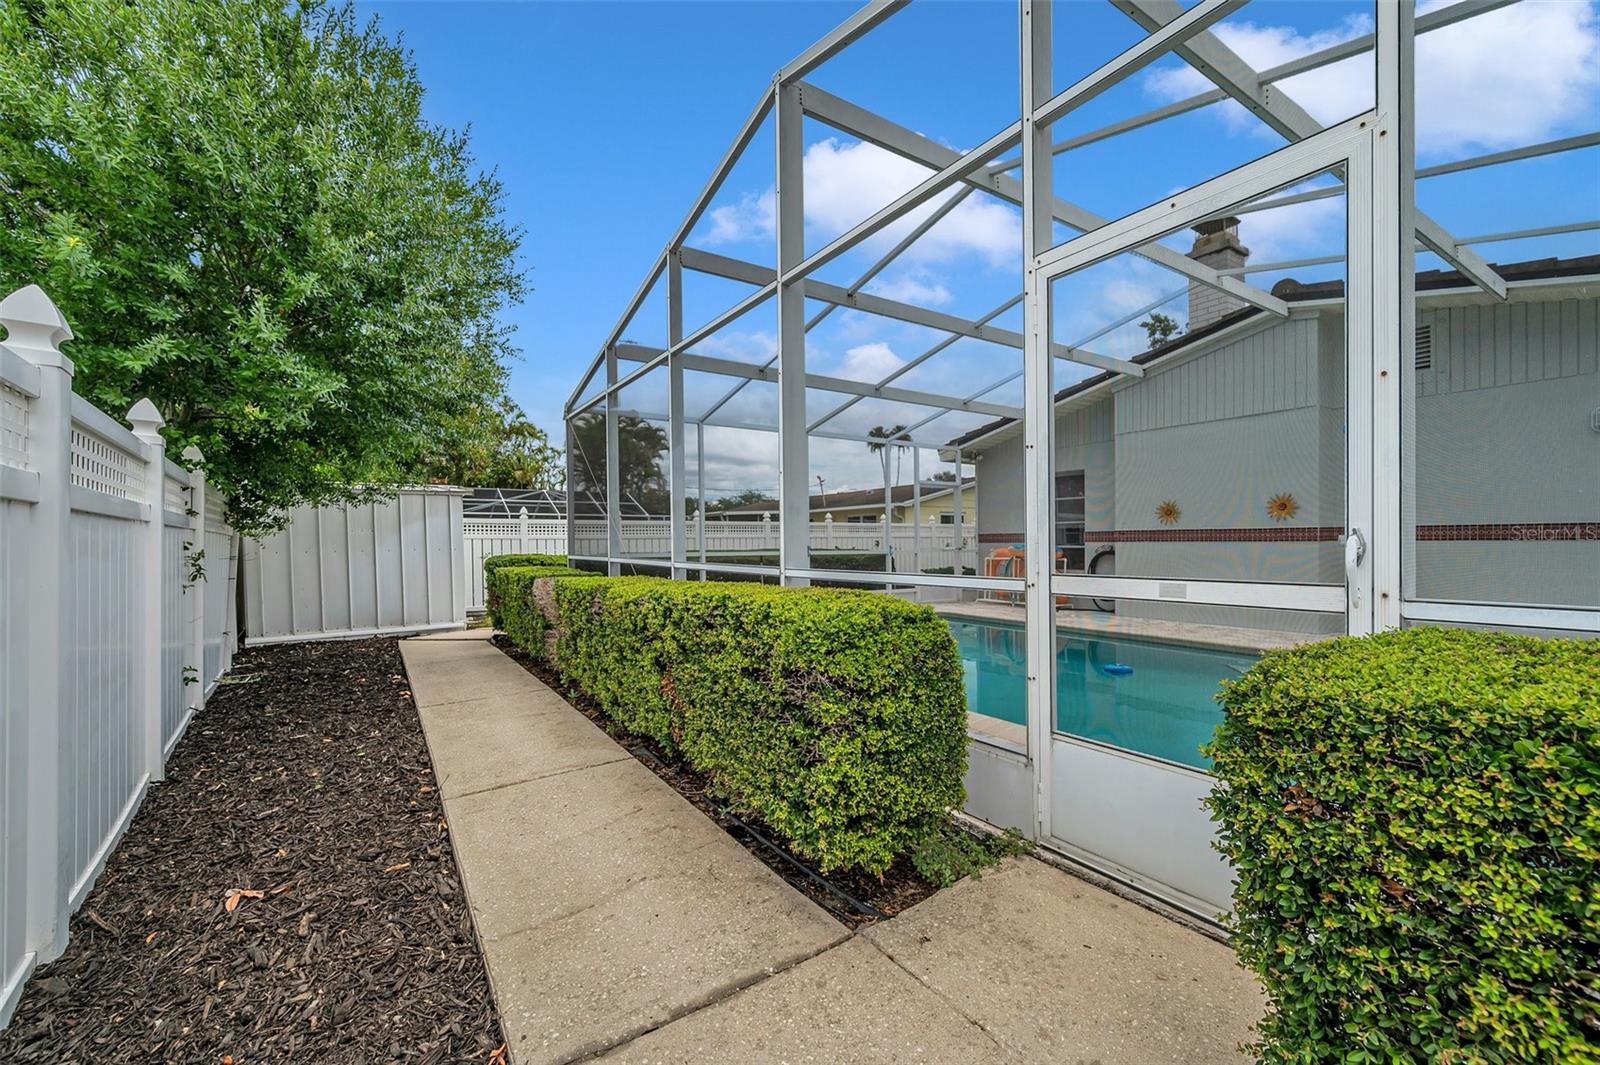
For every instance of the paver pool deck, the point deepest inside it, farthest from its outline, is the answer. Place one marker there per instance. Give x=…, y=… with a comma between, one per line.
x=620, y=924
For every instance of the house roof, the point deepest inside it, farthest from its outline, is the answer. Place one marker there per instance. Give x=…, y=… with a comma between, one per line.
x=1434, y=280
x=1291, y=291
x=865, y=497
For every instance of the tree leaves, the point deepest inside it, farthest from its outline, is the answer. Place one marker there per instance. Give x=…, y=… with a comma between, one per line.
x=233, y=896
x=1418, y=852
x=836, y=716
x=242, y=213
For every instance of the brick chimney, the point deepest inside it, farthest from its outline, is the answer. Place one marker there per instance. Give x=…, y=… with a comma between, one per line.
x=1216, y=244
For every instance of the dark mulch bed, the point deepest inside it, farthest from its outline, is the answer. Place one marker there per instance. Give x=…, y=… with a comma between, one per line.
x=305, y=780
x=854, y=898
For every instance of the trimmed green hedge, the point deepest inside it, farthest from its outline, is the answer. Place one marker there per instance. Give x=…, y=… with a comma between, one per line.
x=1415, y=821
x=491, y=600
x=509, y=597
x=836, y=716
x=494, y=562
x=860, y=561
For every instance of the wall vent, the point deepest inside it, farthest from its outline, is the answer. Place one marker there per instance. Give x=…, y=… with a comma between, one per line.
x=1424, y=347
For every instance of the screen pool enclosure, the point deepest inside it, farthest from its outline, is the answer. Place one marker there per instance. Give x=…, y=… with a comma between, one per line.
x=1230, y=326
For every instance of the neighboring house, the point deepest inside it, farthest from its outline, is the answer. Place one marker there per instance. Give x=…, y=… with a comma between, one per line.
x=1226, y=460
x=866, y=505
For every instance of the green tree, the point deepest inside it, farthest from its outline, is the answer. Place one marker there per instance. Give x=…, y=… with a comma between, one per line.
x=743, y=498
x=495, y=446
x=1160, y=328
x=880, y=447
x=641, y=475
x=241, y=212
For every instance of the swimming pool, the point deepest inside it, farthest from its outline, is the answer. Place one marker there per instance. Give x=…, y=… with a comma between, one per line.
x=1162, y=704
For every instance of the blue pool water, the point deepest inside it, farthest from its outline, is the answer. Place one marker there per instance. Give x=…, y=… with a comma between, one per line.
x=1161, y=704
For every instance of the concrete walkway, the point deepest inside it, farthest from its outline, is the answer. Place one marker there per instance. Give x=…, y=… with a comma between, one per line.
x=619, y=922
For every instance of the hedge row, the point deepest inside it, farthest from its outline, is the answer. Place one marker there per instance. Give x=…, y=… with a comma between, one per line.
x=494, y=562
x=1415, y=821
x=491, y=601
x=836, y=716
x=507, y=582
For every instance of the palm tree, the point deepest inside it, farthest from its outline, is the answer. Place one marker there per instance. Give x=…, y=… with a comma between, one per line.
x=879, y=445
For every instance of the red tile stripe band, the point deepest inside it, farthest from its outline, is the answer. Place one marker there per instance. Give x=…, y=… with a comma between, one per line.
x=1532, y=531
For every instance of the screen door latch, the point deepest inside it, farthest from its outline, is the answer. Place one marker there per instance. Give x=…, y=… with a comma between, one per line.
x=1355, y=549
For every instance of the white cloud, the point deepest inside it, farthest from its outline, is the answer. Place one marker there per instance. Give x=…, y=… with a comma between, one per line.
x=755, y=346
x=1296, y=230
x=752, y=218
x=1508, y=77
x=1330, y=93
x=737, y=459
x=847, y=180
x=1087, y=302
x=1122, y=296
x=911, y=289
x=847, y=465
x=869, y=362
x=981, y=225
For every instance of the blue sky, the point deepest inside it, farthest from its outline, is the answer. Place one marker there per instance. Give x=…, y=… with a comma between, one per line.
x=604, y=120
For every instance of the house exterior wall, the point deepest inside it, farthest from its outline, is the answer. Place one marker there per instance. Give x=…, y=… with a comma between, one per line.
x=999, y=506
x=939, y=506
x=944, y=503
x=873, y=512
x=1221, y=433
x=1503, y=440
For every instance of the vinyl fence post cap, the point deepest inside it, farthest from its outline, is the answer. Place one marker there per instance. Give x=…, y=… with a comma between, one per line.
x=145, y=418
x=35, y=327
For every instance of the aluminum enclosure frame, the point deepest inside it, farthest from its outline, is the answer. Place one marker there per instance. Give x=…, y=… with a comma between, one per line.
x=1387, y=225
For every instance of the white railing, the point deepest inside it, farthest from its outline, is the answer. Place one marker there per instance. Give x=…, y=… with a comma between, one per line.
x=114, y=627
x=912, y=548
x=931, y=546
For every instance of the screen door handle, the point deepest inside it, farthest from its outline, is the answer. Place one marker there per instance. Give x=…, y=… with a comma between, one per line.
x=1355, y=549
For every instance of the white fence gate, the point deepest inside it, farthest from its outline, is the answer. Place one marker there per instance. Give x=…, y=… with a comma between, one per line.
x=390, y=566
x=114, y=628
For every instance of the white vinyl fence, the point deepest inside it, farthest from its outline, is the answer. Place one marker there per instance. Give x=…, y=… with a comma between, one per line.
x=913, y=549
x=390, y=566
x=114, y=627
x=482, y=537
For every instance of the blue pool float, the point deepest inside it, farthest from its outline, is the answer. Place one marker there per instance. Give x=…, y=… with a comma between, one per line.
x=1117, y=669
